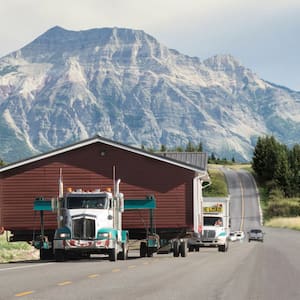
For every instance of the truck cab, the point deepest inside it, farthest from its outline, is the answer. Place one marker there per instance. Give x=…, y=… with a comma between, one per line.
x=215, y=226
x=90, y=222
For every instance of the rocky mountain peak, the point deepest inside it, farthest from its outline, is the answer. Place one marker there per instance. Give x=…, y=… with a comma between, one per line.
x=223, y=63
x=124, y=85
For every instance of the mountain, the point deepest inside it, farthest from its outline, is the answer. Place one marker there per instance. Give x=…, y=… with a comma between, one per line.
x=123, y=84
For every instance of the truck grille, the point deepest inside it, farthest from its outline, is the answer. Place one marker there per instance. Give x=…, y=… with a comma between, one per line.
x=208, y=235
x=84, y=228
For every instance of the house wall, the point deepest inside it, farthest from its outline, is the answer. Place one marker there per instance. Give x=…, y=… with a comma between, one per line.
x=91, y=167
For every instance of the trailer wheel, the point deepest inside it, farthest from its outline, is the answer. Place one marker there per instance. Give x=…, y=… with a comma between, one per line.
x=175, y=248
x=182, y=249
x=113, y=254
x=60, y=255
x=143, y=249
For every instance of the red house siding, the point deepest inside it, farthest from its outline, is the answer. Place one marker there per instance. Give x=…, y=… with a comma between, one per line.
x=91, y=167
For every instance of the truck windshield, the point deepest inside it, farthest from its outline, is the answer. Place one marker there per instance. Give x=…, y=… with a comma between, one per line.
x=86, y=202
x=212, y=221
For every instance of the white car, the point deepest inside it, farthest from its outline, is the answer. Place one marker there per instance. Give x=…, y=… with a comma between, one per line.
x=232, y=236
x=240, y=235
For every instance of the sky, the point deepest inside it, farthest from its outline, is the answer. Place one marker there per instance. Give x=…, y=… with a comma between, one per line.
x=263, y=35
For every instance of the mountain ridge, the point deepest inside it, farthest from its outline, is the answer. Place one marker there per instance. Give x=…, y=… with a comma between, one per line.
x=123, y=84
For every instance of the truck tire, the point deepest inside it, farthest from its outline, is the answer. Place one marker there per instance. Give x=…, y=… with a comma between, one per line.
x=124, y=254
x=150, y=252
x=222, y=248
x=191, y=248
x=176, y=248
x=113, y=254
x=46, y=254
x=182, y=249
x=143, y=249
x=60, y=255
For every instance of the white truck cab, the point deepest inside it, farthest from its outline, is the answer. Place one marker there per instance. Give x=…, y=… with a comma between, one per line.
x=90, y=222
x=215, y=226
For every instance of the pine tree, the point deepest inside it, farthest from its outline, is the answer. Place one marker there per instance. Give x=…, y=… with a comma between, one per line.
x=200, y=147
x=294, y=162
x=163, y=148
x=190, y=147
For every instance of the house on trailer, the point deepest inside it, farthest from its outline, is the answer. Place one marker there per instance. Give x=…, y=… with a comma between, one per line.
x=175, y=180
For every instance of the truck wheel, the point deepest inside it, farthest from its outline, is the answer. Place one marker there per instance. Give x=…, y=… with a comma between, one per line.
x=150, y=252
x=113, y=254
x=175, y=248
x=60, y=255
x=191, y=248
x=221, y=248
x=124, y=254
x=182, y=249
x=143, y=249
x=46, y=254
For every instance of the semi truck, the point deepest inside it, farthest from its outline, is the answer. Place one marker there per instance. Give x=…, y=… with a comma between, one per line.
x=88, y=222
x=216, y=226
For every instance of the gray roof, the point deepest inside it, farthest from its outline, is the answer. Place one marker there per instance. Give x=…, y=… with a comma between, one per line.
x=197, y=159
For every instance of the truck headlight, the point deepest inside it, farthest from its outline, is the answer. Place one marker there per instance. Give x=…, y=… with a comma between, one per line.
x=64, y=235
x=104, y=235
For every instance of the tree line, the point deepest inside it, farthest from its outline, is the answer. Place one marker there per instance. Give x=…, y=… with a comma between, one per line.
x=277, y=165
x=277, y=168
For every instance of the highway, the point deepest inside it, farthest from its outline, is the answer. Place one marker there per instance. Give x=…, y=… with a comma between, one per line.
x=255, y=270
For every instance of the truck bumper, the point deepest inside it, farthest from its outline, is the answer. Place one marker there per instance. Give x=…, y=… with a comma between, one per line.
x=73, y=244
x=203, y=243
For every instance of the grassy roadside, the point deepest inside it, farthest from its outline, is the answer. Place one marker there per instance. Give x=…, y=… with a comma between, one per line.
x=16, y=251
x=218, y=187
x=290, y=223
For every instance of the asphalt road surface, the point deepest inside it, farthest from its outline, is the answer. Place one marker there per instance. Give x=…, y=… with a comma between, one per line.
x=269, y=270
x=244, y=204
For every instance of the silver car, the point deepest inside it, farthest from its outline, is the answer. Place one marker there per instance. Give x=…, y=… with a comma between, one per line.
x=255, y=235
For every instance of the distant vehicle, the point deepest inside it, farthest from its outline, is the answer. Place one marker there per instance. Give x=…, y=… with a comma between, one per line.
x=215, y=230
x=232, y=236
x=255, y=235
x=240, y=235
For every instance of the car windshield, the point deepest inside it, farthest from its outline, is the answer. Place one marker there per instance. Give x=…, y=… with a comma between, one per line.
x=75, y=202
x=255, y=231
x=212, y=221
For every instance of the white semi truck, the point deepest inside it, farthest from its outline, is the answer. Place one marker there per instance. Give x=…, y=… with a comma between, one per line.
x=215, y=225
x=89, y=222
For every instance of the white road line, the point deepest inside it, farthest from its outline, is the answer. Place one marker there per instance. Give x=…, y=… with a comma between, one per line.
x=25, y=267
